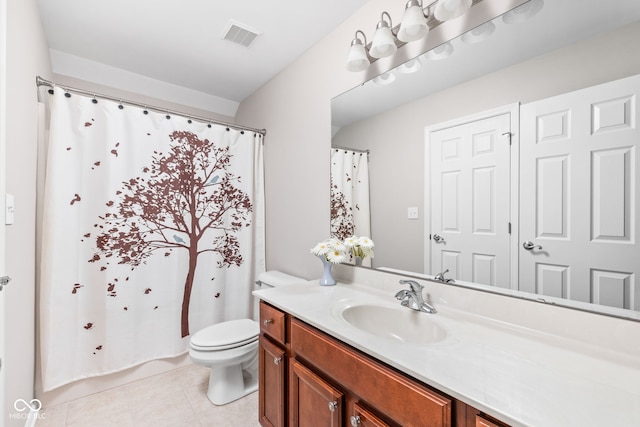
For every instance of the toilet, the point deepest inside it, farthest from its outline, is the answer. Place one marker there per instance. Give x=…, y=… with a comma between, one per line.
x=230, y=349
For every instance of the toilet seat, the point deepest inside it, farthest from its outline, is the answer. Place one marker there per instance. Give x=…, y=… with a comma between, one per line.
x=226, y=335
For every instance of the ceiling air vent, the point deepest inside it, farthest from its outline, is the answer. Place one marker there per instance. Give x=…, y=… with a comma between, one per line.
x=239, y=33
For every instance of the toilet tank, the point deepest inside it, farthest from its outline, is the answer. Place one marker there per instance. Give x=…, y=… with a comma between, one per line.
x=272, y=279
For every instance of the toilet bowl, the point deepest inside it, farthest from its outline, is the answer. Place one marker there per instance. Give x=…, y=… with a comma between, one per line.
x=230, y=349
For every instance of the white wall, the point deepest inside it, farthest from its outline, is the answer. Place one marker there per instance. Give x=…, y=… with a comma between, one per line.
x=27, y=56
x=396, y=137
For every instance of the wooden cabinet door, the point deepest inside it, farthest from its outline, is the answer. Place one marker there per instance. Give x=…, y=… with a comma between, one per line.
x=362, y=417
x=272, y=382
x=313, y=402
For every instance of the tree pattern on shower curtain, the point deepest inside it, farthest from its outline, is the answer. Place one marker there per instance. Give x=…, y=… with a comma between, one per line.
x=184, y=197
x=349, y=194
x=152, y=229
x=342, y=221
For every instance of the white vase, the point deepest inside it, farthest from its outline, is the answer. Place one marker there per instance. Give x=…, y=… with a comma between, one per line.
x=327, y=275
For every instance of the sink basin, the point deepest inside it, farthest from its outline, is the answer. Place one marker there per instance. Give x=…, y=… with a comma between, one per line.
x=399, y=324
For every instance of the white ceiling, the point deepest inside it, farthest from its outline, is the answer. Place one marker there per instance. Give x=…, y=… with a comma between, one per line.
x=180, y=41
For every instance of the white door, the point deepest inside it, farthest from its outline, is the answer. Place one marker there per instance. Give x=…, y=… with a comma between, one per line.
x=469, y=201
x=579, y=201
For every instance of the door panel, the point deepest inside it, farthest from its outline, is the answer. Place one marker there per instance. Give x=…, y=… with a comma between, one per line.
x=579, y=174
x=271, y=394
x=469, y=190
x=313, y=401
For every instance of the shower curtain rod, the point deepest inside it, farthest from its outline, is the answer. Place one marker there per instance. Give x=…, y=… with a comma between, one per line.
x=43, y=82
x=337, y=147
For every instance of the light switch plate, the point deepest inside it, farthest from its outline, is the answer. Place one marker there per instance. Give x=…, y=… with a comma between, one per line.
x=10, y=209
x=412, y=213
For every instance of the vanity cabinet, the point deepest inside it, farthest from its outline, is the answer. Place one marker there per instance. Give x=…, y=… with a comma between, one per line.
x=395, y=398
x=309, y=378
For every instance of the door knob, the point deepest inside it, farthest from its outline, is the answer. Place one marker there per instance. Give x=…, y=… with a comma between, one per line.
x=333, y=406
x=355, y=420
x=437, y=238
x=528, y=245
x=277, y=360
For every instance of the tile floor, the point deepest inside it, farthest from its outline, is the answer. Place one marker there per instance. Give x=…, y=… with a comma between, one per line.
x=173, y=399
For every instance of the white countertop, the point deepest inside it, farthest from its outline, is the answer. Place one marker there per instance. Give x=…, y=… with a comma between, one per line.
x=516, y=374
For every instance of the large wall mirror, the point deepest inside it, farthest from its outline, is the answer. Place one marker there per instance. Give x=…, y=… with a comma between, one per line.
x=511, y=65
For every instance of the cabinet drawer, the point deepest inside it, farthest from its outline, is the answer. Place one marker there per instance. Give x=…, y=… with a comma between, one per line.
x=403, y=400
x=272, y=322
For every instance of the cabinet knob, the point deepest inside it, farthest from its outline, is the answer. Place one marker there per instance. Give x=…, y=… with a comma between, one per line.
x=355, y=420
x=277, y=360
x=267, y=321
x=333, y=406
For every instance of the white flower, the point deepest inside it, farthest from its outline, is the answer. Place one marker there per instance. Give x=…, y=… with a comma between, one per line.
x=333, y=250
x=359, y=246
x=350, y=242
x=365, y=242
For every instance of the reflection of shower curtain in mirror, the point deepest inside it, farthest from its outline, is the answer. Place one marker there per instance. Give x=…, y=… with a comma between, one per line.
x=153, y=228
x=350, y=193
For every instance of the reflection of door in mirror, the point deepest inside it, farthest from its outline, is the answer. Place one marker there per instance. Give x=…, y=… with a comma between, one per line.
x=350, y=194
x=469, y=198
x=580, y=204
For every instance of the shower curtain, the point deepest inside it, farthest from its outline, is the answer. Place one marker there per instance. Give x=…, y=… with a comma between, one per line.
x=153, y=228
x=350, y=194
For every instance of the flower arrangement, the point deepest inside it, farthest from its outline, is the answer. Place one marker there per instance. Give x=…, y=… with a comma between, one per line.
x=361, y=247
x=337, y=252
x=332, y=250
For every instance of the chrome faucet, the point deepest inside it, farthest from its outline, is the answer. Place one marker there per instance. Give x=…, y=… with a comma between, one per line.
x=440, y=277
x=413, y=298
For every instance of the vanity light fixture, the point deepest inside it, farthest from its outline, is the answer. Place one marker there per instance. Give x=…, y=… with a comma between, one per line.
x=523, y=12
x=439, y=52
x=385, y=78
x=414, y=22
x=415, y=25
x=384, y=41
x=447, y=10
x=479, y=33
x=357, y=59
x=411, y=66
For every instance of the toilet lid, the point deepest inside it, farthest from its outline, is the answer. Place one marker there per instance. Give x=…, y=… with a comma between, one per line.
x=226, y=334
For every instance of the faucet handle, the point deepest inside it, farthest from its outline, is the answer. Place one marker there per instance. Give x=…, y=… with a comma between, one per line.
x=415, y=286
